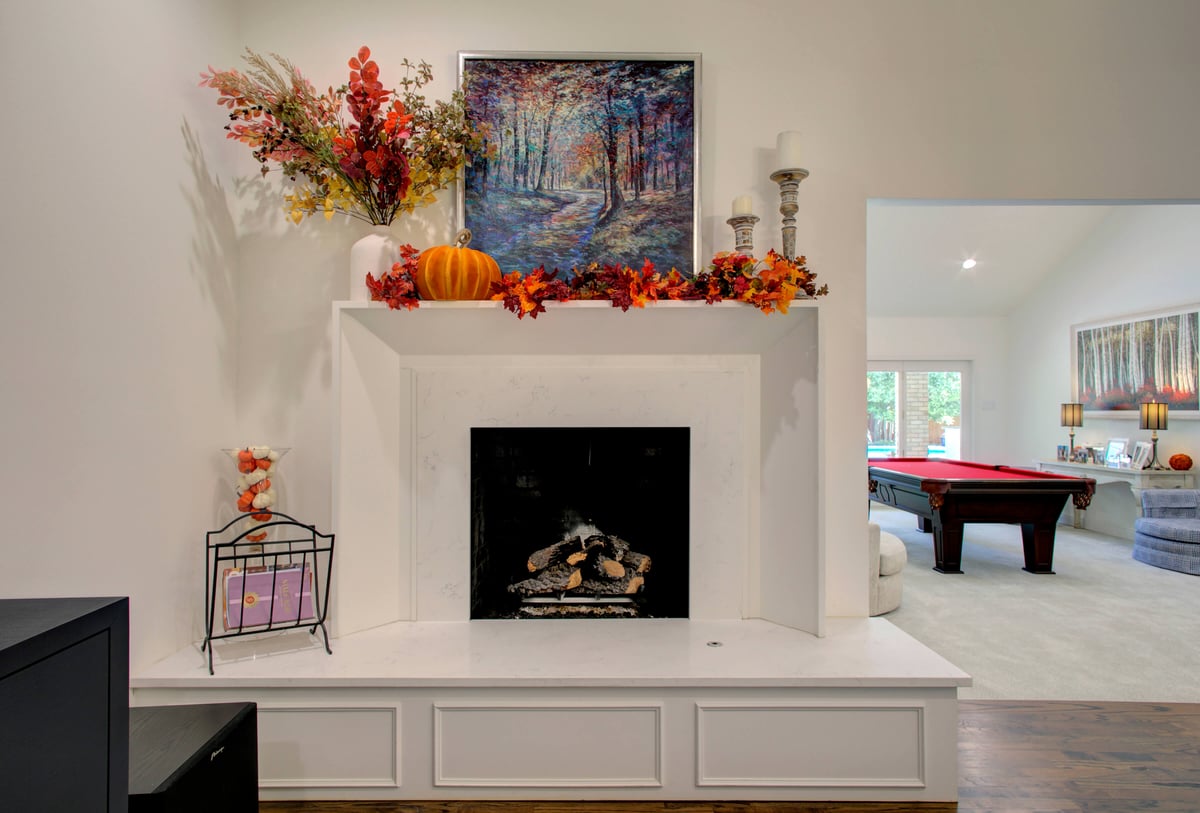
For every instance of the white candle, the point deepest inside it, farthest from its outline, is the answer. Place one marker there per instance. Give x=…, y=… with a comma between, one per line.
x=743, y=205
x=787, y=145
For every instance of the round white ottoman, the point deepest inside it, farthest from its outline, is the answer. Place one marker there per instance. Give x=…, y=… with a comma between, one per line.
x=888, y=557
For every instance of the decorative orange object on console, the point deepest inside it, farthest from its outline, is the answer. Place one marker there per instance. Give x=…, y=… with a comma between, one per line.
x=1180, y=462
x=456, y=272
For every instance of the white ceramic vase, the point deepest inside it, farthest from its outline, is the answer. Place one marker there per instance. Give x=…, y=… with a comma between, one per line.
x=374, y=254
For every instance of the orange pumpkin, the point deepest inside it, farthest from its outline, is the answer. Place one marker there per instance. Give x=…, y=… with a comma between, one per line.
x=456, y=272
x=1180, y=462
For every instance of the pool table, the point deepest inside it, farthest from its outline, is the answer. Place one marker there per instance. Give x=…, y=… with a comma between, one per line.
x=945, y=494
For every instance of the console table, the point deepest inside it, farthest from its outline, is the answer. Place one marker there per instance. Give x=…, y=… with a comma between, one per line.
x=1138, y=479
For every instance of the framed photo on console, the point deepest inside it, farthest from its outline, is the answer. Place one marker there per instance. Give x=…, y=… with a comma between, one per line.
x=1141, y=455
x=589, y=158
x=1115, y=451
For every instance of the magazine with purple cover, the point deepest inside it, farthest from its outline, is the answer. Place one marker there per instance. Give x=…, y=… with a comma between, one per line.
x=250, y=601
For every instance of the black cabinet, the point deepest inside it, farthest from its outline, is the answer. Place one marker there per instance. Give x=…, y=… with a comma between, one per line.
x=64, y=705
x=201, y=758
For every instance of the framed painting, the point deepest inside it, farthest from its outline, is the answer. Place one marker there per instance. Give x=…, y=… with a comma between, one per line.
x=588, y=158
x=1153, y=357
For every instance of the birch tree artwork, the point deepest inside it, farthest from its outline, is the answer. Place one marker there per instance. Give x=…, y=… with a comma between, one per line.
x=1121, y=365
x=586, y=160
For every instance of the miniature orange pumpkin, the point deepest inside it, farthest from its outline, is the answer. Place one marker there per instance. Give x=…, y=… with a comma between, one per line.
x=456, y=272
x=1180, y=462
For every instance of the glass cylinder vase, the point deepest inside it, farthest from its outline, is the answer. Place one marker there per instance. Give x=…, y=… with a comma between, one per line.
x=255, y=486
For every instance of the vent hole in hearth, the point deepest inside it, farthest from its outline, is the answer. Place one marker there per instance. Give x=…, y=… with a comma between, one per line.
x=579, y=522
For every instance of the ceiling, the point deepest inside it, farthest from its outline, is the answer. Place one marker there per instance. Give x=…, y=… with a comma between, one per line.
x=915, y=252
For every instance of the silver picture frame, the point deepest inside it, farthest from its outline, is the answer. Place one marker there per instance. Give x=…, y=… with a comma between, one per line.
x=590, y=157
x=1121, y=362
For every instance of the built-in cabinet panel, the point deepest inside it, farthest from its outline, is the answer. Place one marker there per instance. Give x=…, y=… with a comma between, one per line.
x=565, y=745
x=599, y=743
x=318, y=747
x=810, y=745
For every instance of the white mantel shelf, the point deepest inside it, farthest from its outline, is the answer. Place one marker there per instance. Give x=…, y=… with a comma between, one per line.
x=593, y=327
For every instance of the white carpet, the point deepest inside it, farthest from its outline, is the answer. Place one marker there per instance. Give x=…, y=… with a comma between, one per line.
x=1103, y=627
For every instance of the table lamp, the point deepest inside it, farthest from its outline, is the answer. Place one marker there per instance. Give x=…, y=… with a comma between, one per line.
x=1154, y=417
x=1072, y=416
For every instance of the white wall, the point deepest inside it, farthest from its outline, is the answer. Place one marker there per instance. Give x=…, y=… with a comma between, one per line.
x=118, y=319
x=929, y=99
x=940, y=99
x=981, y=341
x=1139, y=259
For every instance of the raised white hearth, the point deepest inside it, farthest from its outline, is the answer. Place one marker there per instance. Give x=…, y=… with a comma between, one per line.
x=600, y=709
x=756, y=695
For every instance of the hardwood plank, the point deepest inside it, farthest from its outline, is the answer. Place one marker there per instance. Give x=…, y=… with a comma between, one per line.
x=1014, y=757
x=603, y=807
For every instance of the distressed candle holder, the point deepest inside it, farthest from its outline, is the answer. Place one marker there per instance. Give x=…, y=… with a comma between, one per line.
x=789, y=195
x=743, y=233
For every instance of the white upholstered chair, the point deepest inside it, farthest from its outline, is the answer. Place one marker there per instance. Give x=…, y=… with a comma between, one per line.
x=887, y=558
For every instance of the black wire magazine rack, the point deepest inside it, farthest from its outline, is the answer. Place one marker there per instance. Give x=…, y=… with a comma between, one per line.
x=266, y=585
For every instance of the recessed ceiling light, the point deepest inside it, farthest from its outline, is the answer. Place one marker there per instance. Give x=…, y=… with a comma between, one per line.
x=968, y=264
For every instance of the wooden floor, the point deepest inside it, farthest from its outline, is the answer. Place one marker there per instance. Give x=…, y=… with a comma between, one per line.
x=1012, y=756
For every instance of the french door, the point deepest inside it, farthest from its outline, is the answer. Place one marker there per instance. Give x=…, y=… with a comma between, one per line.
x=917, y=409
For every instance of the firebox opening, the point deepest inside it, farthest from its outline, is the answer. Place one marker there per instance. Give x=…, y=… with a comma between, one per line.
x=579, y=522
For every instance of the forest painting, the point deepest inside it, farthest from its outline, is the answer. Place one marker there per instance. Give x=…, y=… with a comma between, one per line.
x=1120, y=365
x=587, y=159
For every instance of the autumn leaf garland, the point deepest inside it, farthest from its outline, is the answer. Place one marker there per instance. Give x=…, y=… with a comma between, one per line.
x=769, y=284
x=398, y=287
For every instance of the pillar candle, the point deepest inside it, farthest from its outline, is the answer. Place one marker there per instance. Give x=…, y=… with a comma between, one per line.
x=787, y=146
x=742, y=205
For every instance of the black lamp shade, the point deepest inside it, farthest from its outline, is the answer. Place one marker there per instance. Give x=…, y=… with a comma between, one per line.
x=1153, y=415
x=1072, y=414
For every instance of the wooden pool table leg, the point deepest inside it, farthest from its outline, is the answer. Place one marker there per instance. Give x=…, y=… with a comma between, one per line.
x=947, y=546
x=1038, y=539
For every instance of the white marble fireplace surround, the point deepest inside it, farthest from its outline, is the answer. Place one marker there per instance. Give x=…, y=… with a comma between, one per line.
x=756, y=695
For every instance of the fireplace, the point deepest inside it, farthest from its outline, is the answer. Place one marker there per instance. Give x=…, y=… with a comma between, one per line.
x=412, y=389
x=421, y=701
x=579, y=522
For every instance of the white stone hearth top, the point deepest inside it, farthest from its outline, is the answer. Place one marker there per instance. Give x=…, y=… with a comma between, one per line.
x=856, y=652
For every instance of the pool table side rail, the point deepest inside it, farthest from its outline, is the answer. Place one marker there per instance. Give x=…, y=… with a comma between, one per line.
x=997, y=480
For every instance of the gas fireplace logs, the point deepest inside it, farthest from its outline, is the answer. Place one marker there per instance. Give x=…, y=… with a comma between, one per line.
x=582, y=570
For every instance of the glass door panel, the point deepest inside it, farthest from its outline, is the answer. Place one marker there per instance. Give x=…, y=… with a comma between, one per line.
x=943, y=413
x=916, y=409
x=883, y=404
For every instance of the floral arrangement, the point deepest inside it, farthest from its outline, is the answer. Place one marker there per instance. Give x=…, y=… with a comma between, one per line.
x=769, y=284
x=392, y=154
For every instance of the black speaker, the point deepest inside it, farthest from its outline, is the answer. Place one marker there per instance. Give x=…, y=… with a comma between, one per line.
x=193, y=759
